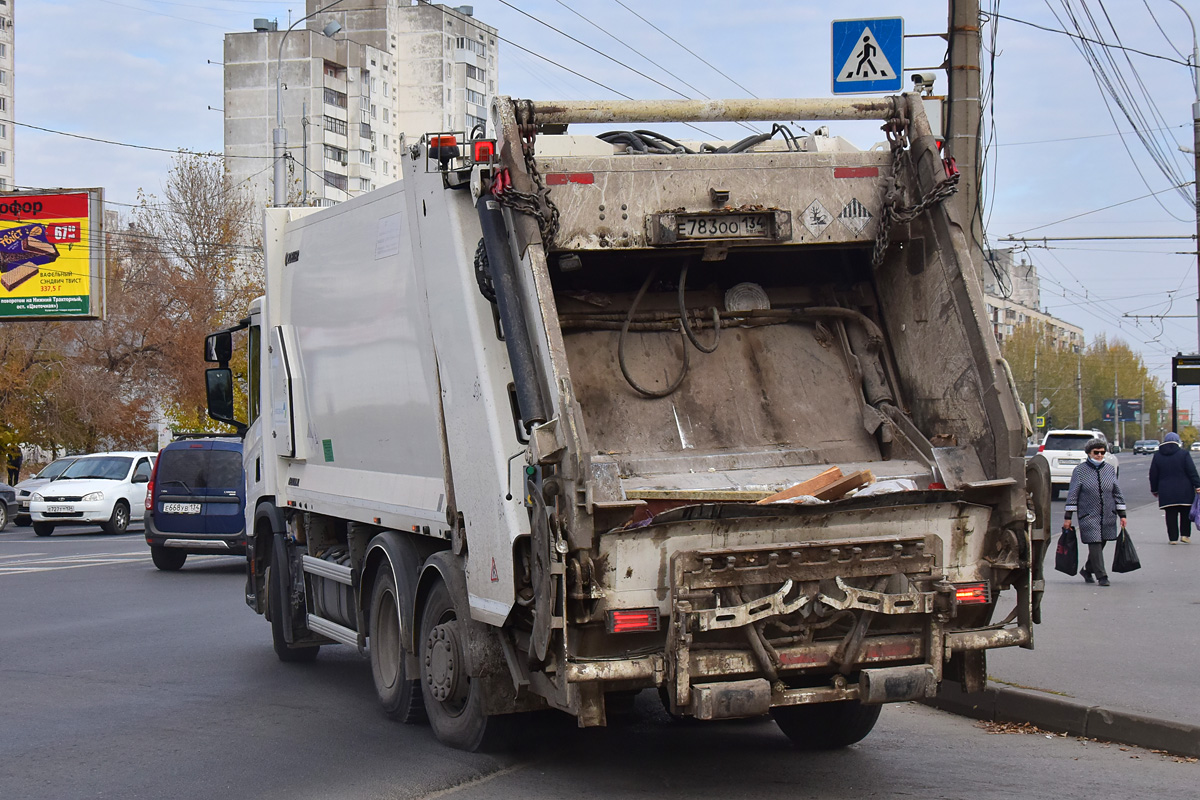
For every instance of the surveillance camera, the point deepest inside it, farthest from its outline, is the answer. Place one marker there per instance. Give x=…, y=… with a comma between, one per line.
x=923, y=81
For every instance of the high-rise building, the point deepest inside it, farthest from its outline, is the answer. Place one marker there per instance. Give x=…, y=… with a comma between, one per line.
x=8, y=134
x=1012, y=292
x=388, y=69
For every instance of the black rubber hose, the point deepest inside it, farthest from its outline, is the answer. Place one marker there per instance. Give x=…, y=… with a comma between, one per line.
x=621, y=348
x=683, y=320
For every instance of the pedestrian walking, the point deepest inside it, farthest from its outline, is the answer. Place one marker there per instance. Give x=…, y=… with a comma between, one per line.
x=1096, y=497
x=1174, y=481
x=15, y=459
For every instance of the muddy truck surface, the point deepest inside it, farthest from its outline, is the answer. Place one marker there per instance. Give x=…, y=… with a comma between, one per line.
x=560, y=417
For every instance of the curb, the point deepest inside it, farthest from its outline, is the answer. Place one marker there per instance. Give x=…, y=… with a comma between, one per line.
x=1059, y=715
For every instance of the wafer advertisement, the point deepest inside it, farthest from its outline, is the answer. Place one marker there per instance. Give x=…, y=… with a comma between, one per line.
x=51, y=255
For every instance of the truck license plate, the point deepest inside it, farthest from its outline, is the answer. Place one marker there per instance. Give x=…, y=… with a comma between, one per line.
x=181, y=508
x=59, y=509
x=723, y=226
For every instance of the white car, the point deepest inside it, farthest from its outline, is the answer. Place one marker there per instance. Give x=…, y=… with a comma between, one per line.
x=1064, y=450
x=107, y=489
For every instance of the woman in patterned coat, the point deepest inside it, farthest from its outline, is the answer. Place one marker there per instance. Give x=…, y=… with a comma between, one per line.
x=1096, y=497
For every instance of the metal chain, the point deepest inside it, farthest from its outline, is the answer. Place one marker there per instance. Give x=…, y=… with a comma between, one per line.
x=893, y=211
x=536, y=204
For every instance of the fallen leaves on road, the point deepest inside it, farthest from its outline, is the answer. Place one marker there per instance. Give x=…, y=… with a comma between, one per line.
x=1018, y=727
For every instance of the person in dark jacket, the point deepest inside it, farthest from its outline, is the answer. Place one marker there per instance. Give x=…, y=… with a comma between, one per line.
x=1095, y=495
x=1173, y=480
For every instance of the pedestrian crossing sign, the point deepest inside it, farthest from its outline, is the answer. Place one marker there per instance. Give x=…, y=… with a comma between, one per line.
x=868, y=55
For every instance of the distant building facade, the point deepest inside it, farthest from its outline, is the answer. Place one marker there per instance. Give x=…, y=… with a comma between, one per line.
x=394, y=69
x=8, y=133
x=1013, y=295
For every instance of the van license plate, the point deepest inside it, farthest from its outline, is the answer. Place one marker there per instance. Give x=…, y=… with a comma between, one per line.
x=181, y=508
x=59, y=509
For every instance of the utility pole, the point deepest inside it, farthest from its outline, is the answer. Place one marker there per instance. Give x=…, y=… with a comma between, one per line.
x=1142, y=409
x=1036, y=407
x=962, y=135
x=1079, y=386
x=1116, y=410
x=1195, y=154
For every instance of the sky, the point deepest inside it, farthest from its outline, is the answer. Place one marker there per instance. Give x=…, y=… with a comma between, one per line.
x=1061, y=161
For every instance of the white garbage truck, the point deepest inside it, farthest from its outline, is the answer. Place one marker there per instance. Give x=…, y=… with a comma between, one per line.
x=561, y=417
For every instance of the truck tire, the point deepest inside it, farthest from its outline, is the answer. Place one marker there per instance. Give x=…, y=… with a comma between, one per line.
x=43, y=528
x=276, y=592
x=399, y=693
x=826, y=726
x=454, y=702
x=166, y=559
x=119, y=520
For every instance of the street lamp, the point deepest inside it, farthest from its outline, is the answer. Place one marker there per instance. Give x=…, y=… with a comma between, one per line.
x=279, y=136
x=1195, y=155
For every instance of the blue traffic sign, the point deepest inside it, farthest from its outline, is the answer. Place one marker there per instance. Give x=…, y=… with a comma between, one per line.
x=868, y=55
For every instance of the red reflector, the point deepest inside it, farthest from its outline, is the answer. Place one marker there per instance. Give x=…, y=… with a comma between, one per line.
x=856, y=172
x=628, y=620
x=563, y=178
x=936, y=485
x=970, y=593
x=483, y=151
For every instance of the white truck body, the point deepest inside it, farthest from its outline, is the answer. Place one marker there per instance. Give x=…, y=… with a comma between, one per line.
x=468, y=451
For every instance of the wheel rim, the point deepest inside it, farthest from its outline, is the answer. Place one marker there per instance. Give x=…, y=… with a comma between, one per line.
x=121, y=518
x=444, y=667
x=387, y=639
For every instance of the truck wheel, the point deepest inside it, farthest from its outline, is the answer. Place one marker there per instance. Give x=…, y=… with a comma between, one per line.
x=166, y=559
x=826, y=726
x=453, y=701
x=399, y=694
x=119, y=520
x=43, y=528
x=276, y=592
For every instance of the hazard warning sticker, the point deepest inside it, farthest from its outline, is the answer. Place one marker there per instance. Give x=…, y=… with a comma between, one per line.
x=495, y=574
x=855, y=216
x=817, y=218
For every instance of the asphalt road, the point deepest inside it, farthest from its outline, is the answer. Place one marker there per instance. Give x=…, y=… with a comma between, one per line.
x=120, y=681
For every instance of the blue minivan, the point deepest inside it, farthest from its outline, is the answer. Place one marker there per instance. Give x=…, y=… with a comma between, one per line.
x=196, y=500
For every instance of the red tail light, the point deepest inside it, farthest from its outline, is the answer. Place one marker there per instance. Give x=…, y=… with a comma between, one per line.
x=631, y=620
x=972, y=593
x=150, y=485
x=483, y=151
x=1041, y=447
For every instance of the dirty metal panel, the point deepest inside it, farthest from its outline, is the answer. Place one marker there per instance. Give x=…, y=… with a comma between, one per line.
x=876, y=649
x=618, y=201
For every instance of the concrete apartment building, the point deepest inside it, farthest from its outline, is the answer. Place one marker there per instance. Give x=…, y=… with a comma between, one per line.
x=1013, y=295
x=8, y=134
x=392, y=69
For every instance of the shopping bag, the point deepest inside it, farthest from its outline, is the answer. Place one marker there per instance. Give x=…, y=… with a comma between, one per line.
x=1066, y=556
x=1194, y=514
x=1126, y=558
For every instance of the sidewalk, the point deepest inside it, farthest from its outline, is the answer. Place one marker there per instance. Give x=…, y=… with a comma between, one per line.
x=1119, y=663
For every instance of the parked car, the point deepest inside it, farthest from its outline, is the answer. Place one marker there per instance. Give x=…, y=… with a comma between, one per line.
x=26, y=487
x=108, y=489
x=1064, y=449
x=8, y=504
x=197, y=500
x=1195, y=446
x=1145, y=446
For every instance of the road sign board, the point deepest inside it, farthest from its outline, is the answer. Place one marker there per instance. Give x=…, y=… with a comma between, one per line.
x=868, y=55
x=1041, y=422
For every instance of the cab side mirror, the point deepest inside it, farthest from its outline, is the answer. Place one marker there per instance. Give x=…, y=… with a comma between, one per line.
x=218, y=347
x=218, y=386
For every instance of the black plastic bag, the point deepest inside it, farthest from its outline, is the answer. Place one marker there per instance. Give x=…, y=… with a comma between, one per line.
x=1126, y=558
x=1066, y=556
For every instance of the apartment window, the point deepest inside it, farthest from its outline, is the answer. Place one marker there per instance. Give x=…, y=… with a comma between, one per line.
x=3, y=131
x=3, y=157
x=3, y=183
x=385, y=114
x=3, y=104
x=364, y=157
x=335, y=154
x=336, y=181
x=472, y=121
x=335, y=125
x=470, y=44
x=364, y=131
x=374, y=111
x=475, y=97
x=3, y=77
x=335, y=98
x=364, y=185
x=3, y=50
x=364, y=115
x=333, y=70
x=474, y=72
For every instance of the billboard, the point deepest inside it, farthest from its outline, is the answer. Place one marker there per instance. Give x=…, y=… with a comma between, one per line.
x=52, y=254
x=1130, y=410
